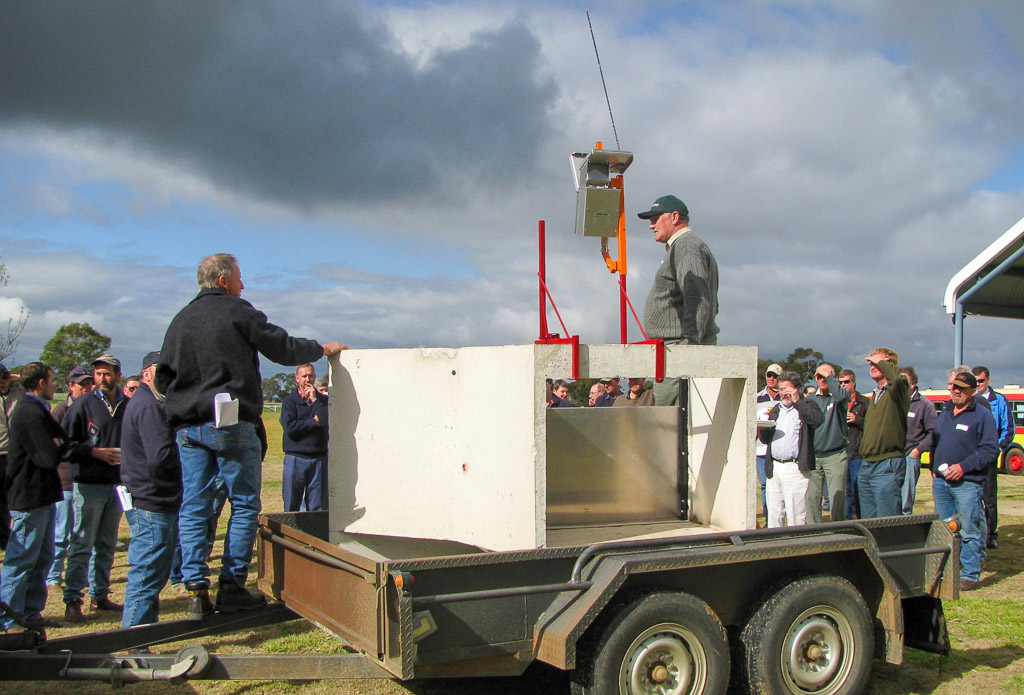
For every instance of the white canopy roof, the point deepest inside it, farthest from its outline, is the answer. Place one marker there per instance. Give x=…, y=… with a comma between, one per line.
x=1003, y=295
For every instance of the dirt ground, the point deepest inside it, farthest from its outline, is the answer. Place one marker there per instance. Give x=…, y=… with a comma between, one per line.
x=986, y=627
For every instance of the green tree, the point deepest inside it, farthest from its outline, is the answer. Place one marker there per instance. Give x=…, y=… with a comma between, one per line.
x=73, y=344
x=9, y=340
x=277, y=387
x=804, y=361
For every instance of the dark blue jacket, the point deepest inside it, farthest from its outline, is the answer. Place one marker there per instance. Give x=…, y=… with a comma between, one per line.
x=34, y=450
x=150, y=465
x=303, y=436
x=970, y=439
x=89, y=423
x=213, y=346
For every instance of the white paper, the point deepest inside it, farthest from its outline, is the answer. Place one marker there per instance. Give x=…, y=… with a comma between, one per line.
x=225, y=410
x=125, y=498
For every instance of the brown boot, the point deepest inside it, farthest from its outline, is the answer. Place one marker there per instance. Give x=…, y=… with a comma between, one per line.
x=73, y=611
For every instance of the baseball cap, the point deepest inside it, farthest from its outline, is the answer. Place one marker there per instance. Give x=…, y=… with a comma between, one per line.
x=774, y=369
x=965, y=380
x=666, y=203
x=108, y=359
x=151, y=358
x=79, y=374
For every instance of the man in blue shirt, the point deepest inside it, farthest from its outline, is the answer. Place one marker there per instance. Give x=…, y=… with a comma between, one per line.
x=1007, y=428
x=964, y=446
x=304, y=421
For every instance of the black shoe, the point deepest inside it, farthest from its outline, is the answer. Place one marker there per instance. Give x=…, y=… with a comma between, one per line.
x=73, y=611
x=992, y=544
x=968, y=585
x=41, y=623
x=199, y=605
x=104, y=604
x=232, y=597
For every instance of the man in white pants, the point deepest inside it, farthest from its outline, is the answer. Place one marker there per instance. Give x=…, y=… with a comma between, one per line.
x=790, y=455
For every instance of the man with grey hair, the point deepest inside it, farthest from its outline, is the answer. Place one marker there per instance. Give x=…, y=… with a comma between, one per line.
x=683, y=302
x=213, y=347
x=789, y=433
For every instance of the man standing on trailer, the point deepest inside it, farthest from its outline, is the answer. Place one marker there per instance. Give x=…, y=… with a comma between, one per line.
x=965, y=444
x=1006, y=426
x=683, y=302
x=212, y=347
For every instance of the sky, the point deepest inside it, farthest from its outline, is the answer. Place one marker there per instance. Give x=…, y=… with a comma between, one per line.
x=379, y=168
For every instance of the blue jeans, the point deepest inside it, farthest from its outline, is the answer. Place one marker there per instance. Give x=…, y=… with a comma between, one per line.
x=91, y=555
x=880, y=485
x=762, y=478
x=304, y=477
x=853, y=496
x=909, y=492
x=63, y=525
x=154, y=539
x=233, y=453
x=220, y=497
x=964, y=496
x=28, y=559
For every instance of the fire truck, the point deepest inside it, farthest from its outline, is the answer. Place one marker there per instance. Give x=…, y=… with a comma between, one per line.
x=1012, y=461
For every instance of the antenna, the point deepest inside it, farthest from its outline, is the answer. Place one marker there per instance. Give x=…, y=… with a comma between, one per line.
x=603, y=85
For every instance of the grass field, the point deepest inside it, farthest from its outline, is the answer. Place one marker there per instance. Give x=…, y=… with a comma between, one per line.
x=986, y=625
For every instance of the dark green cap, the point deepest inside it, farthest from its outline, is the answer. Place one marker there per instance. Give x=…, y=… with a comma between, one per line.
x=666, y=203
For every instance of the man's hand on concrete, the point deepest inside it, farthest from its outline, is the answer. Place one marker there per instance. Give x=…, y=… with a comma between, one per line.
x=333, y=348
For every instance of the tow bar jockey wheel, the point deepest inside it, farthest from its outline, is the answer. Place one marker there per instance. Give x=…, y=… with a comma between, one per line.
x=659, y=643
x=811, y=636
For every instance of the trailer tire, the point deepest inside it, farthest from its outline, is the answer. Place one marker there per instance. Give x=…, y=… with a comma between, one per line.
x=1013, y=461
x=663, y=643
x=811, y=637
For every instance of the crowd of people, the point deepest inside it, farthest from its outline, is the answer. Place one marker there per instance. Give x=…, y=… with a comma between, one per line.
x=160, y=448
x=857, y=457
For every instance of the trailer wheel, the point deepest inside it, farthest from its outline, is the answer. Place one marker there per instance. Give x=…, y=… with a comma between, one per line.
x=662, y=643
x=1013, y=461
x=811, y=637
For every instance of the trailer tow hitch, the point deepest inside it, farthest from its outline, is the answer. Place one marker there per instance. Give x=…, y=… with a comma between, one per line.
x=189, y=662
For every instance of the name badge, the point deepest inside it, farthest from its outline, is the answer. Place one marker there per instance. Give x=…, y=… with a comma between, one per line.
x=829, y=407
x=911, y=414
x=962, y=428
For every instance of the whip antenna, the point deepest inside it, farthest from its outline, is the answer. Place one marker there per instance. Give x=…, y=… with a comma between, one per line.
x=603, y=85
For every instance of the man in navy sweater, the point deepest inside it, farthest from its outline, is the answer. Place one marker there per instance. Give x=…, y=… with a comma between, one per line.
x=965, y=443
x=213, y=346
x=36, y=445
x=305, y=424
x=151, y=471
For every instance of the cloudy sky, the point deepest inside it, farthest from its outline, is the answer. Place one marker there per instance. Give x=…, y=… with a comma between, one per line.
x=379, y=167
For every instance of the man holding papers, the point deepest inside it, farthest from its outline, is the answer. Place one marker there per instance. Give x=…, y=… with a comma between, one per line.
x=212, y=346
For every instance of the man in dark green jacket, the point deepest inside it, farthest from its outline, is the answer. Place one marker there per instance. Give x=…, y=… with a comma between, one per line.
x=880, y=482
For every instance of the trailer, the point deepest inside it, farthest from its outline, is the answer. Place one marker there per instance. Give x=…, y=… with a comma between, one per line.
x=617, y=544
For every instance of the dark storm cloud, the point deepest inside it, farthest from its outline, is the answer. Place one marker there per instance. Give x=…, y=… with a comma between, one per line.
x=304, y=103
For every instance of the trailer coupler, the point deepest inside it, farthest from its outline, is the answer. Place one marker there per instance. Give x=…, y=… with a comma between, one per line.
x=189, y=662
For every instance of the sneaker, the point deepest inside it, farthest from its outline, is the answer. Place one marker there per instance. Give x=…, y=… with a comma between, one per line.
x=73, y=611
x=104, y=604
x=968, y=585
x=232, y=597
x=199, y=605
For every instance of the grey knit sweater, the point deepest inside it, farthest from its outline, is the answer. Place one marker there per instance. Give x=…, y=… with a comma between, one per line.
x=683, y=302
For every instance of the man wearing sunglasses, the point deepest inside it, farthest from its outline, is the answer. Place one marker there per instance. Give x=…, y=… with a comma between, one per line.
x=1006, y=426
x=965, y=444
x=683, y=302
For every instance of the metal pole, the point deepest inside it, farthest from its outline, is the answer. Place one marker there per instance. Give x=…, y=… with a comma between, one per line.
x=958, y=335
x=958, y=320
x=542, y=274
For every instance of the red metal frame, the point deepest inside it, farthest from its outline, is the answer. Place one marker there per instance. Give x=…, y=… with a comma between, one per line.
x=546, y=337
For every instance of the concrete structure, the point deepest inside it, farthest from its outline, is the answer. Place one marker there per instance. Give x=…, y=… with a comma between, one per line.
x=419, y=448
